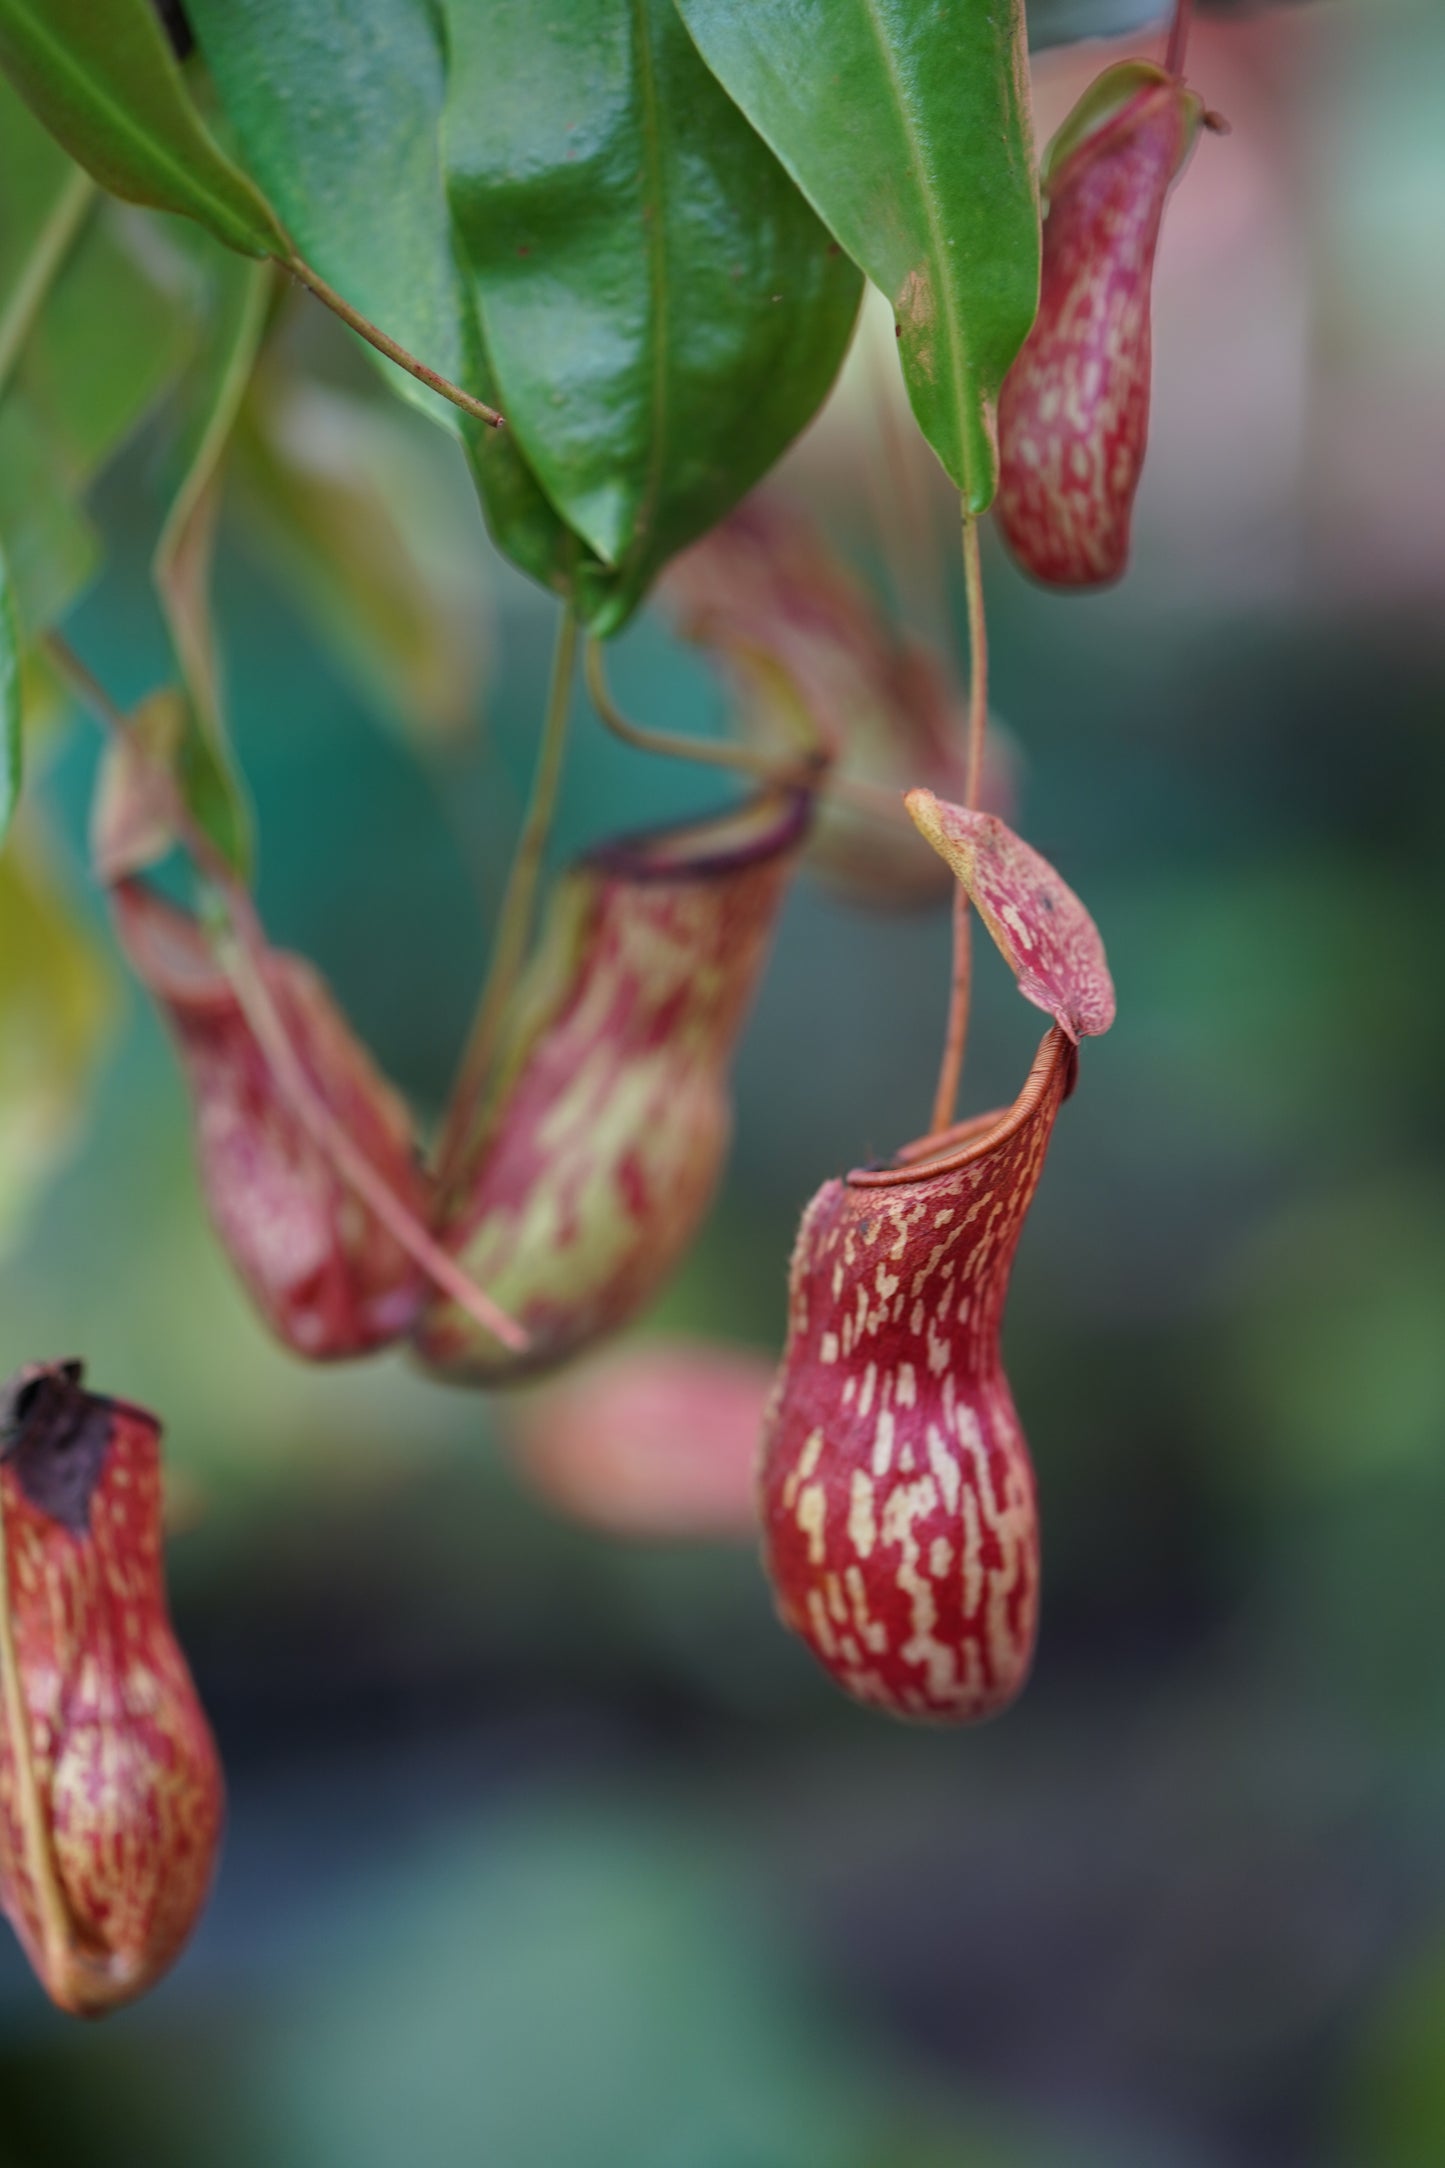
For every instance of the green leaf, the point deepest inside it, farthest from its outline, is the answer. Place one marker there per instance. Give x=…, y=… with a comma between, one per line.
x=347, y=500
x=33, y=172
x=663, y=309
x=54, y=550
x=101, y=75
x=10, y=748
x=182, y=563
x=304, y=84
x=106, y=343
x=44, y=197
x=120, y=320
x=907, y=125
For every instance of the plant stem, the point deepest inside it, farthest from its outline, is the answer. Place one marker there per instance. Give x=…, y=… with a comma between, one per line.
x=1178, y=38
x=247, y=973
x=245, y=969
x=57, y=1928
x=52, y=246
x=956, y=1033
x=977, y=661
x=514, y=927
x=393, y=350
x=709, y=753
x=814, y=772
x=945, y=1097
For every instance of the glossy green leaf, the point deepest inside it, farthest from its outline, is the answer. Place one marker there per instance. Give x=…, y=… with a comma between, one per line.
x=182, y=565
x=102, y=77
x=346, y=500
x=55, y=1006
x=44, y=197
x=304, y=84
x=10, y=748
x=663, y=309
x=906, y=122
x=336, y=109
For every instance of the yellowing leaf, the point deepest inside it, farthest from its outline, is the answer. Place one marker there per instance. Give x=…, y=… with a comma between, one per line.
x=10, y=703
x=56, y=1004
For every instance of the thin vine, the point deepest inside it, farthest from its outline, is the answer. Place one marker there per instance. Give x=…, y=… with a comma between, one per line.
x=519, y=902
x=392, y=348
x=955, y=1040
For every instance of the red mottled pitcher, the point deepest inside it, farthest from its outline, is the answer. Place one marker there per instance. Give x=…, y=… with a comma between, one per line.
x=1073, y=417
x=606, y=1127
x=326, y=1276
x=897, y=1494
x=109, y=1827
x=652, y=1441
x=810, y=656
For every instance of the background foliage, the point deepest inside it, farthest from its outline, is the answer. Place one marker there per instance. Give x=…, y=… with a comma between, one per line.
x=549, y=1852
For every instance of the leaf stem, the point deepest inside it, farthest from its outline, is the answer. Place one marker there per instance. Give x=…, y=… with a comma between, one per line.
x=514, y=925
x=246, y=969
x=53, y=244
x=392, y=348
x=956, y=1033
x=57, y=1928
x=707, y=752
x=1178, y=38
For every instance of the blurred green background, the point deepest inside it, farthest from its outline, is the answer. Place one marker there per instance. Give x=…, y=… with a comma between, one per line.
x=547, y=1851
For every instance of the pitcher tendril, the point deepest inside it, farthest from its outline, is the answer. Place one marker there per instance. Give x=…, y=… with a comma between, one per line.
x=956, y=1034
x=1178, y=37
x=804, y=774
x=355, y=1169
x=392, y=348
x=519, y=903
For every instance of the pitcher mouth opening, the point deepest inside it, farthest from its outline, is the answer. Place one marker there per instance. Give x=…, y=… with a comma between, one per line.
x=947, y=1150
x=763, y=827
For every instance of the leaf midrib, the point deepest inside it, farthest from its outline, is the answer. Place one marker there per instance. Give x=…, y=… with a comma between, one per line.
x=657, y=282
x=959, y=357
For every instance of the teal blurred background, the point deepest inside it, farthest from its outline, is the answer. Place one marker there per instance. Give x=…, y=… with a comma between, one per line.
x=555, y=1853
